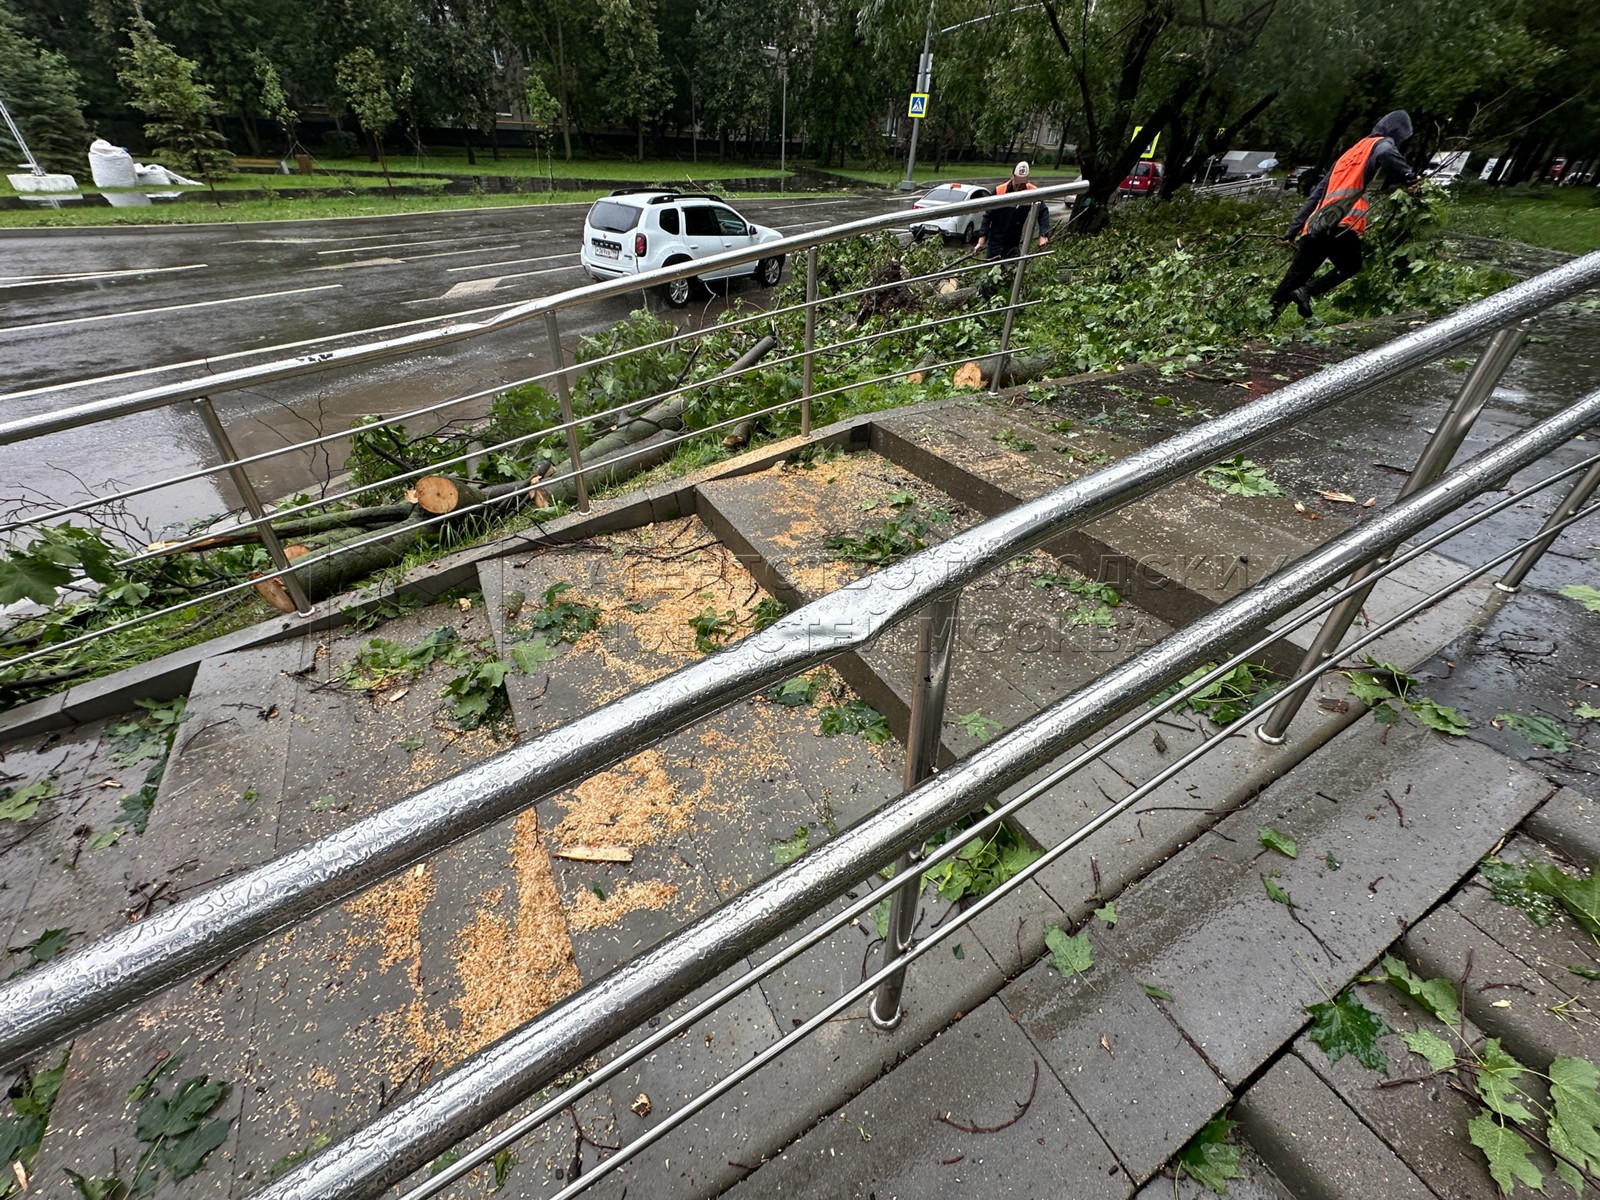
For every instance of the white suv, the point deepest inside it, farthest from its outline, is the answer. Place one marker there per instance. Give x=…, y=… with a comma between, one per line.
x=636, y=230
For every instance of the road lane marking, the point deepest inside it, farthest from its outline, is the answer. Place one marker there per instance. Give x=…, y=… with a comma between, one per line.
x=213, y=359
x=145, y=312
x=511, y=262
x=484, y=237
x=453, y=253
x=12, y=281
x=360, y=262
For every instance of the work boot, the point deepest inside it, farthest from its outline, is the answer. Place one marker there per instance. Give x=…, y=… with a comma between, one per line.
x=1302, y=302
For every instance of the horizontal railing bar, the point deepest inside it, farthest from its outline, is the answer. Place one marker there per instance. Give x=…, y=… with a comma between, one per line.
x=407, y=1137
x=226, y=381
x=118, y=970
x=592, y=1080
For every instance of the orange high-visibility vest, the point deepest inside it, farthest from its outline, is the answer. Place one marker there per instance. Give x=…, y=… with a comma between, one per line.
x=1346, y=185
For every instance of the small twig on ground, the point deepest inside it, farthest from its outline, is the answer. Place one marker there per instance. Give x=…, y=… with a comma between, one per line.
x=1022, y=1111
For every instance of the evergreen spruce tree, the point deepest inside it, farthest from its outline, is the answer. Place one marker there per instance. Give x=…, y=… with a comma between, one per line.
x=161, y=84
x=40, y=90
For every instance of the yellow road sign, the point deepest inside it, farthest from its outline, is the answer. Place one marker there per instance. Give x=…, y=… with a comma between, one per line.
x=919, y=105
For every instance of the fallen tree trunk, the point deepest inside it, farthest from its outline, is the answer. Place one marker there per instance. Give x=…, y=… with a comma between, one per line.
x=440, y=494
x=1019, y=368
x=328, y=575
x=378, y=514
x=613, y=458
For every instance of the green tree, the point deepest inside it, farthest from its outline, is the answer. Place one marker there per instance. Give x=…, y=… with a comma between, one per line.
x=558, y=36
x=633, y=80
x=733, y=73
x=41, y=91
x=840, y=81
x=275, y=104
x=372, y=97
x=161, y=84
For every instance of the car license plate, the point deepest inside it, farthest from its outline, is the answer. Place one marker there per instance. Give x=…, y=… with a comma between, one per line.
x=605, y=251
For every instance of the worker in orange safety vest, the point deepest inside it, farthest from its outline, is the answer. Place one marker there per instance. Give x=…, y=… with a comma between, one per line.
x=1001, y=235
x=1333, y=218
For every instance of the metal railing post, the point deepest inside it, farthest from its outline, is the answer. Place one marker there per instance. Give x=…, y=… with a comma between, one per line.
x=252, y=501
x=1511, y=581
x=811, y=342
x=936, y=629
x=1435, y=458
x=1024, y=249
x=564, y=394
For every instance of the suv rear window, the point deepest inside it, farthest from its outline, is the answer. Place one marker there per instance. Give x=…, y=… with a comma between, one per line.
x=669, y=220
x=613, y=217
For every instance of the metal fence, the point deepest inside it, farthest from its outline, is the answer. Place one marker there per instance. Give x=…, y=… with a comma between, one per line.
x=64, y=995
x=198, y=395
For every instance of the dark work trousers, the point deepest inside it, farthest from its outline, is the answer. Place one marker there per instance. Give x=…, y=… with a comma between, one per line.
x=1342, y=251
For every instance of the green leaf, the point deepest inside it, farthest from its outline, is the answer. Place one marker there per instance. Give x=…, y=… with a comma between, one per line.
x=98, y=1187
x=27, y=578
x=1537, y=730
x=794, y=693
x=186, y=1155
x=1209, y=1158
x=1587, y=596
x=1070, y=954
x=958, y=951
x=1333, y=863
x=881, y=916
x=1369, y=688
x=503, y=1160
x=43, y=948
x=786, y=851
x=1275, y=892
x=1509, y=885
x=1439, y=1053
x=1439, y=717
x=1274, y=839
x=979, y=726
x=166, y=1066
x=1498, y=1078
x=1585, y=972
x=183, y=1113
x=1507, y=1152
x=1156, y=993
x=532, y=654
x=1344, y=1025
x=1108, y=913
x=1588, y=712
x=1575, y=1093
x=1438, y=996
x=412, y=743
x=104, y=838
x=1580, y=896
x=23, y=802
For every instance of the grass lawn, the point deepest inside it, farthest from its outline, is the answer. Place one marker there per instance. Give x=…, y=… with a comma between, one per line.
x=1561, y=218
x=926, y=176
x=522, y=164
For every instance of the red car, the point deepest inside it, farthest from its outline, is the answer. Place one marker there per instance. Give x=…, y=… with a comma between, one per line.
x=1144, y=180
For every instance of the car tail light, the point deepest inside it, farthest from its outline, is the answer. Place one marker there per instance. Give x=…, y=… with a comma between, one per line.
x=639, y=245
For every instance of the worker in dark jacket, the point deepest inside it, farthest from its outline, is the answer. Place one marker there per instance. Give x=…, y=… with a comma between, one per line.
x=1001, y=235
x=1334, y=217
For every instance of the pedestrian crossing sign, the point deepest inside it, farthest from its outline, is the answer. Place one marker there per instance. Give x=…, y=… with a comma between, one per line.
x=919, y=105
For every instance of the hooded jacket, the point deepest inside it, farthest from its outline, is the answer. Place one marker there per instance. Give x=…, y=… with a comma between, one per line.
x=1378, y=154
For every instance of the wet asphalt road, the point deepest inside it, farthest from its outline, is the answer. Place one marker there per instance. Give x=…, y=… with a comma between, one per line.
x=101, y=313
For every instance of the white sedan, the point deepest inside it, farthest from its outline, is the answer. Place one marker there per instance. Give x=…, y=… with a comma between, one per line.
x=964, y=226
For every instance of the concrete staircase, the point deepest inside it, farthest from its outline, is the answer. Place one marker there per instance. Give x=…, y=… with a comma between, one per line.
x=322, y=1027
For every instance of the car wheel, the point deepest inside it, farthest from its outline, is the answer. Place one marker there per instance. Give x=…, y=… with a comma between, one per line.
x=769, y=271
x=678, y=293
x=970, y=234
x=919, y=234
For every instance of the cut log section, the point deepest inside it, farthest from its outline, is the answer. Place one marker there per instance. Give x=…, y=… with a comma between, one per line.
x=440, y=494
x=1020, y=368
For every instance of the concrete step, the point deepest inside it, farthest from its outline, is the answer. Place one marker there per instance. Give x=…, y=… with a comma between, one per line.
x=1148, y=1072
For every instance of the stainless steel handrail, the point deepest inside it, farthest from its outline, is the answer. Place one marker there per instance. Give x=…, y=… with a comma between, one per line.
x=995, y=815
x=39, y=424
x=411, y=1134
x=119, y=970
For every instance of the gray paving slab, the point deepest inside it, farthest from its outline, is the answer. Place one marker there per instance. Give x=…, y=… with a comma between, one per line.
x=890, y=1143
x=1423, y=1122
x=1553, y=949
x=1258, y=1183
x=1240, y=966
x=1315, y=1144
x=1533, y=1017
x=1143, y=1087
x=1569, y=823
x=1531, y=653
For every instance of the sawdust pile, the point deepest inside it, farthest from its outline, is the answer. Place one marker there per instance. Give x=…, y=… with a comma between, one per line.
x=627, y=806
x=589, y=911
